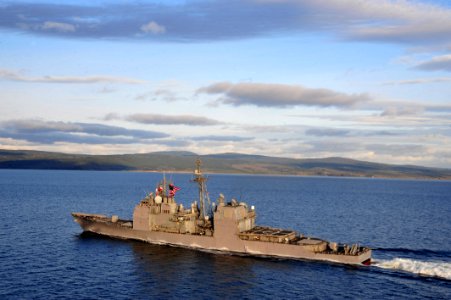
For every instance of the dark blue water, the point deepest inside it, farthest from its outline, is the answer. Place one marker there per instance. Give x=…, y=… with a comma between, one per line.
x=44, y=255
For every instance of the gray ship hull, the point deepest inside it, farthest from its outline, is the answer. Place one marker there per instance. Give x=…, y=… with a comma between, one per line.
x=231, y=244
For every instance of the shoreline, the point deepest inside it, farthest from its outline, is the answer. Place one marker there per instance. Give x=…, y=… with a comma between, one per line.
x=376, y=177
x=301, y=175
x=227, y=163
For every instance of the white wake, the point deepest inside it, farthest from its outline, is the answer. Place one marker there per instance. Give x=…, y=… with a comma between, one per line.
x=427, y=268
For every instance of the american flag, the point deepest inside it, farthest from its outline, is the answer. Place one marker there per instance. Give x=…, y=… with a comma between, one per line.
x=173, y=189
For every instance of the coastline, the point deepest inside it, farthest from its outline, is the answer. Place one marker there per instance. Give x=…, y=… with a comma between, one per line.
x=226, y=163
x=297, y=175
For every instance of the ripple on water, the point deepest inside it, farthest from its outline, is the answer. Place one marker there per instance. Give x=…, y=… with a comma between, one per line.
x=43, y=255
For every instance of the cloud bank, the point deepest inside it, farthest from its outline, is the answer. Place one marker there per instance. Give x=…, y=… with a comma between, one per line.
x=222, y=138
x=161, y=119
x=279, y=95
x=15, y=76
x=438, y=63
x=395, y=21
x=325, y=132
x=418, y=81
x=49, y=132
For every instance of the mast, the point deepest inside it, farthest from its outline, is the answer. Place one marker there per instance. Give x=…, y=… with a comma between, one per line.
x=165, y=194
x=200, y=179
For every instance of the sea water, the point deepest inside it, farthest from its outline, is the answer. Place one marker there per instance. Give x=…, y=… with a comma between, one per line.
x=43, y=253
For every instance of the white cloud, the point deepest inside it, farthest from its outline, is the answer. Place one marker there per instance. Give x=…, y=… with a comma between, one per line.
x=153, y=27
x=438, y=63
x=388, y=20
x=57, y=26
x=418, y=81
x=279, y=95
x=111, y=116
x=415, y=150
x=15, y=76
x=50, y=132
x=222, y=138
x=326, y=132
x=163, y=94
x=171, y=119
x=394, y=111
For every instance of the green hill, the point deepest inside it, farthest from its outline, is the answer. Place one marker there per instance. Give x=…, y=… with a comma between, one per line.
x=174, y=161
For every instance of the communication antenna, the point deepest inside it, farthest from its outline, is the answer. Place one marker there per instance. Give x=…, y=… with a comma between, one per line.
x=201, y=181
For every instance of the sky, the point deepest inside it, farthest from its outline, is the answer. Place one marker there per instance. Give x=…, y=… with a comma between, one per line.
x=361, y=79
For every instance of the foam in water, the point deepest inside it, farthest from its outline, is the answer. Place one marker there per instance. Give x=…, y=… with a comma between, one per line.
x=429, y=268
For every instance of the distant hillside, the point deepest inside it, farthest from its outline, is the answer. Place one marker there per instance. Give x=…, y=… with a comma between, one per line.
x=174, y=161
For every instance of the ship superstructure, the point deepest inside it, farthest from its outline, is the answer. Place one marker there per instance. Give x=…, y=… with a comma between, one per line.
x=222, y=226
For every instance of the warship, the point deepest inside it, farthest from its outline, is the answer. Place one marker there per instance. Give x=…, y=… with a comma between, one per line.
x=222, y=226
